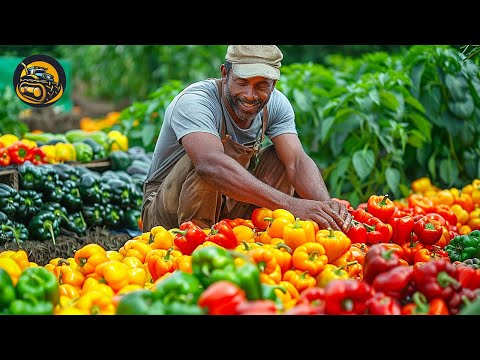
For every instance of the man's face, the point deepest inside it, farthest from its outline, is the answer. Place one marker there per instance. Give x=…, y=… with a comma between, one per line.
x=248, y=96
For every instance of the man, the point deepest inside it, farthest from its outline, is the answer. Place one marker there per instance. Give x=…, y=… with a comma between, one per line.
x=208, y=165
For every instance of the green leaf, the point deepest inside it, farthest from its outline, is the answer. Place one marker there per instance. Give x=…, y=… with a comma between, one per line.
x=416, y=138
x=431, y=166
x=325, y=128
x=393, y=180
x=373, y=94
x=448, y=173
x=301, y=100
x=389, y=100
x=416, y=76
x=363, y=161
x=410, y=100
x=148, y=133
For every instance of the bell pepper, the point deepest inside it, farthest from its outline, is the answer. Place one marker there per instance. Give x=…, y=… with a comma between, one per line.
x=188, y=237
x=460, y=299
x=222, y=234
x=76, y=223
x=50, y=154
x=50, y=178
x=30, y=176
x=381, y=304
x=95, y=303
x=161, y=261
x=212, y=263
x=38, y=284
x=179, y=287
x=258, y=217
x=65, y=152
x=357, y=233
x=58, y=210
x=381, y=207
x=38, y=156
x=347, y=297
x=68, y=275
x=310, y=257
x=94, y=215
x=113, y=216
x=463, y=247
x=378, y=260
x=222, y=298
x=401, y=229
x=89, y=256
x=142, y=302
x=17, y=230
x=19, y=152
x=422, y=202
x=331, y=272
x=4, y=157
x=361, y=215
x=120, y=191
x=277, y=226
x=264, y=258
x=29, y=203
x=257, y=307
x=295, y=235
x=248, y=276
x=302, y=280
x=378, y=231
x=428, y=230
x=44, y=226
x=119, y=141
x=9, y=200
x=160, y=238
x=394, y=282
x=334, y=242
x=90, y=188
x=119, y=160
x=7, y=291
x=83, y=152
x=421, y=306
x=410, y=249
x=276, y=293
x=131, y=218
x=436, y=279
x=30, y=307
x=467, y=276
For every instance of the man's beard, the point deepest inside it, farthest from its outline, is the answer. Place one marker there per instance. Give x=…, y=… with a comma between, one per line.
x=243, y=116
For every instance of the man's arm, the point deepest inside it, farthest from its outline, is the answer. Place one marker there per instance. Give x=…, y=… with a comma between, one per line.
x=208, y=157
x=207, y=154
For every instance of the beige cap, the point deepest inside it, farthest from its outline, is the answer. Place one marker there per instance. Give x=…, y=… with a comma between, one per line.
x=255, y=60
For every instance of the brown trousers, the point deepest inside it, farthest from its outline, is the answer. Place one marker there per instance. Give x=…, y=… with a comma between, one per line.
x=184, y=196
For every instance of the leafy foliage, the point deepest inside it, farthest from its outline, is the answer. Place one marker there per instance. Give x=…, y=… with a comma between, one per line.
x=10, y=108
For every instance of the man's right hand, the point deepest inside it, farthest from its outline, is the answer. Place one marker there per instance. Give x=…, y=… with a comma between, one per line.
x=327, y=214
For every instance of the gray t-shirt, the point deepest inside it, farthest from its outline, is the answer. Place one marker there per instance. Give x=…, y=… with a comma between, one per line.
x=197, y=109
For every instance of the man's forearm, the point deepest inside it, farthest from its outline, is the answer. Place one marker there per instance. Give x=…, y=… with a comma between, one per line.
x=237, y=183
x=307, y=180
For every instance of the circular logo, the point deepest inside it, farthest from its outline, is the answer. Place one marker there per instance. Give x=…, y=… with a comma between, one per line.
x=39, y=80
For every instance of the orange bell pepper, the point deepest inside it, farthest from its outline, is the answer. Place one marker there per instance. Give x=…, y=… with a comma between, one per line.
x=89, y=256
x=298, y=233
x=161, y=261
x=135, y=248
x=11, y=267
x=184, y=263
x=92, y=284
x=113, y=273
x=264, y=258
x=310, y=257
x=273, y=277
x=66, y=275
x=289, y=297
x=95, y=303
x=334, y=242
x=160, y=238
x=283, y=254
x=19, y=256
x=277, y=225
x=300, y=279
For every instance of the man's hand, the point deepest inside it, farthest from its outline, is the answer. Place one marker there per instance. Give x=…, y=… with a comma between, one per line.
x=328, y=213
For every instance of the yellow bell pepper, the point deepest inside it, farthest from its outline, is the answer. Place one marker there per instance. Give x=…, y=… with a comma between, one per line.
x=113, y=273
x=95, y=303
x=310, y=257
x=51, y=153
x=8, y=139
x=334, y=242
x=65, y=152
x=11, y=267
x=20, y=257
x=331, y=272
x=297, y=233
x=160, y=238
x=119, y=141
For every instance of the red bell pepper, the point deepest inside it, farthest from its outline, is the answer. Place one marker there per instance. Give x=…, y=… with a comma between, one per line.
x=461, y=298
x=188, y=237
x=394, y=282
x=401, y=229
x=361, y=215
x=424, y=203
x=347, y=297
x=381, y=304
x=436, y=279
x=257, y=307
x=222, y=234
x=410, y=249
x=381, y=207
x=429, y=231
x=357, y=233
x=19, y=152
x=378, y=231
x=467, y=276
x=4, y=157
x=447, y=213
x=37, y=156
x=314, y=298
x=305, y=309
x=222, y=298
x=378, y=260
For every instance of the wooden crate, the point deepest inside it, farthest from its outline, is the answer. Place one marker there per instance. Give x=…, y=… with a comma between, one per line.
x=9, y=175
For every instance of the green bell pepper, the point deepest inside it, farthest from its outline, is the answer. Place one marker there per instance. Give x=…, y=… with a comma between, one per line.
x=50, y=178
x=463, y=247
x=94, y=215
x=58, y=210
x=130, y=219
x=248, y=276
x=30, y=176
x=13, y=229
x=213, y=263
x=76, y=223
x=84, y=151
x=29, y=307
x=99, y=151
x=179, y=308
x=90, y=188
x=7, y=291
x=71, y=196
x=179, y=287
x=99, y=137
x=44, y=226
x=119, y=160
x=113, y=216
x=120, y=192
x=29, y=204
x=67, y=172
x=56, y=195
x=106, y=193
x=9, y=200
x=268, y=293
x=38, y=284
x=141, y=302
